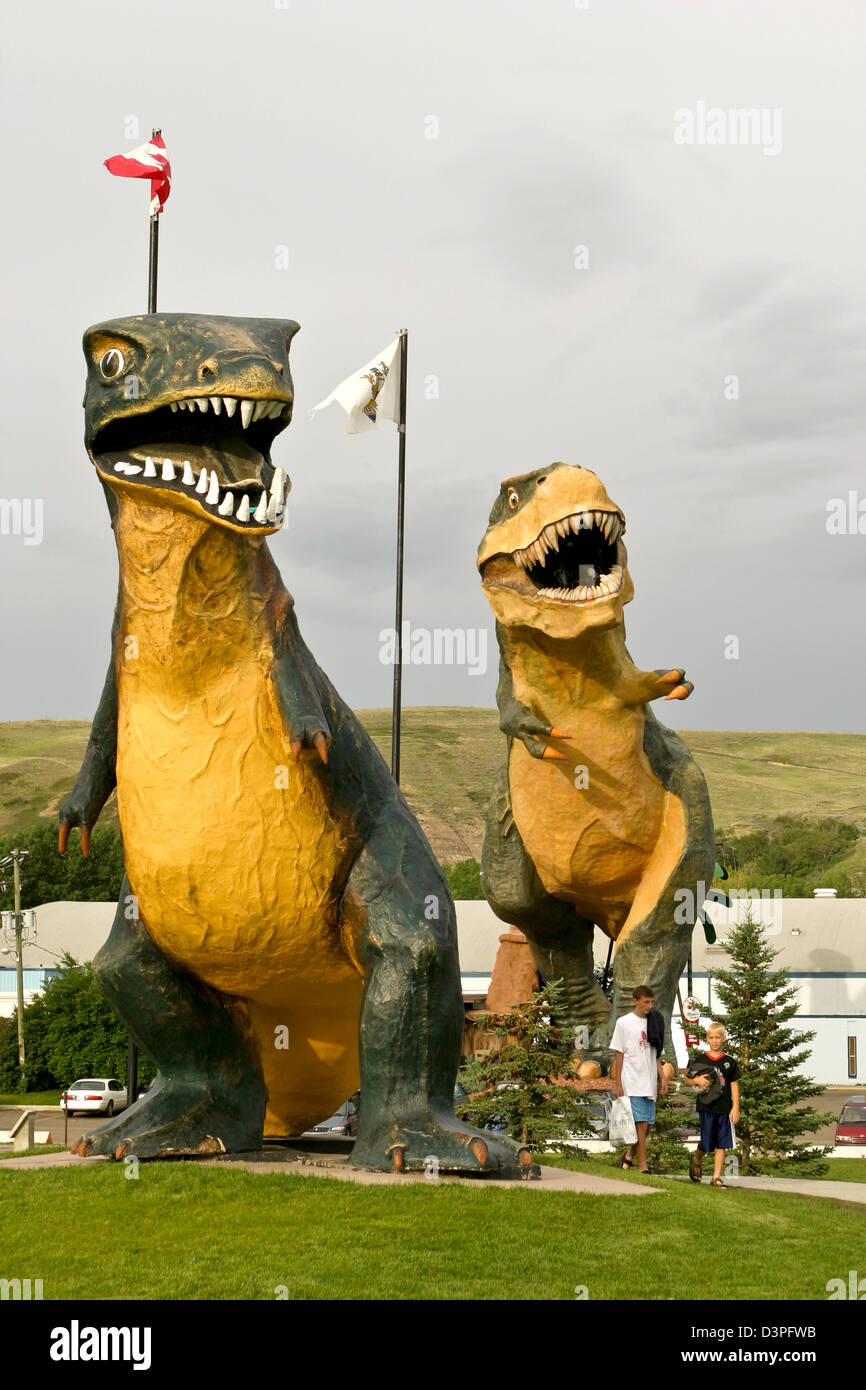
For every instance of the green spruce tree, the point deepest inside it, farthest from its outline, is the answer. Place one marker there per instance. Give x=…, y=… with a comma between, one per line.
x=758, y=1005
x=517, y=1085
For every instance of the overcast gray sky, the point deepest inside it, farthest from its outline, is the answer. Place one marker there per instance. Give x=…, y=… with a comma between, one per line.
x=308, y=127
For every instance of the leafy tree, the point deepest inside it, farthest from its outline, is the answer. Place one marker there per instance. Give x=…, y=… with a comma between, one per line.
x=48, y=876
x=70, y=1030
x=794, y=854
x=758, y=1005
x=464, y=879
x=517, y=1085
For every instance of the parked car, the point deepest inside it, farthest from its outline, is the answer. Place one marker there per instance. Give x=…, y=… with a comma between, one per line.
x=344, y=1122
x=105, y=1096
x=851, y=1125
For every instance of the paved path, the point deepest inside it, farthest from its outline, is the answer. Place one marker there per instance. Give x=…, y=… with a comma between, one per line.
x=337, y=1166
x=803, y=1187
x=806, y=1187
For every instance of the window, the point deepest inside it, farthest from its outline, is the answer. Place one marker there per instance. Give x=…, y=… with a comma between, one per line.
x=852, y=1056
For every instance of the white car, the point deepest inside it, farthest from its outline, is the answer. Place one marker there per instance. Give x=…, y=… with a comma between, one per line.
x=104, y=1095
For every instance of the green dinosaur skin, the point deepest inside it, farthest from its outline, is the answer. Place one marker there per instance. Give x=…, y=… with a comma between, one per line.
x=584, y=702
x=210, y=1092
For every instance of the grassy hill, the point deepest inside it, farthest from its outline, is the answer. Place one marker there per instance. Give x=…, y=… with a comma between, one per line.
x=449, y=758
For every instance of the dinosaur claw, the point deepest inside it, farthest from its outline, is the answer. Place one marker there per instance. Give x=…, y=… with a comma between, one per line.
x=680, y=692
x=62, y=841
x=479, y=1148
x=524, y=1157
x=320, y=743
x=398, y=1157
x=295, y=748
x=85, y=840
x=558, y=733
x=553, y=753
x=121, y=1149
x=670, y=676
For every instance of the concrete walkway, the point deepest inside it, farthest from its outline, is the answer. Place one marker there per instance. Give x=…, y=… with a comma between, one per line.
x=806, y=1187
x=802, y=1187
x=337, y=1166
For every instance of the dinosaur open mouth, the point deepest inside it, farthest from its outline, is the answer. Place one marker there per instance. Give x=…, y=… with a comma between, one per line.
x=214, y=450
x=573, y=560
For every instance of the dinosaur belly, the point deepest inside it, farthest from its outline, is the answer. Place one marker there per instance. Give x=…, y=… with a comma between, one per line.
x=231, y=848
x=590, y=824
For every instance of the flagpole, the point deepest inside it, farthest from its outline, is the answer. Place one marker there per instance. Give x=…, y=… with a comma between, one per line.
x=403, y=335
x=153, y=255
x=152, y=273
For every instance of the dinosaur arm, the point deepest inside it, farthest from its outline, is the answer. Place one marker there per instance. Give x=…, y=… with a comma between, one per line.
x=296, y=689
x=516, y=720
x=637, y=687
x=97, y=776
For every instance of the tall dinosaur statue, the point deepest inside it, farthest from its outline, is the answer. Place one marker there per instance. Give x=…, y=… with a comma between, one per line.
x=284, y=931
x=599, y=815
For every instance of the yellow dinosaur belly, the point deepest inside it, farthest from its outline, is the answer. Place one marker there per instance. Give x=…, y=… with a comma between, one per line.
x=590, y=823
x=231, y=850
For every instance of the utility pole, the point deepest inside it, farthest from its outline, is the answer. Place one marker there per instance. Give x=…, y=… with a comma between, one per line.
x=15, y=858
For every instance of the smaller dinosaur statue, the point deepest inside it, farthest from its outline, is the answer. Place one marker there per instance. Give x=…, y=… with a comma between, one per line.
x=600, y=814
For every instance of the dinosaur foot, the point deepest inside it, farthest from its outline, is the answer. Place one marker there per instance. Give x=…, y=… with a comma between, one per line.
x=433, y=1146
x=177, y=1118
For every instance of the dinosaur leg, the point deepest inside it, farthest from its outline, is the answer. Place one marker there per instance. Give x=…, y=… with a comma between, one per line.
x=209, y=1095
x=653, y=945
x=560, y=939
x=399, y=912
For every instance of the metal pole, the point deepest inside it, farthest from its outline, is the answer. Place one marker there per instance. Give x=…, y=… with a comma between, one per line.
x=403, y=335
x=19, y=962
x=689, y=982
x=152, y=265
x=153, y=257
x=152, y=274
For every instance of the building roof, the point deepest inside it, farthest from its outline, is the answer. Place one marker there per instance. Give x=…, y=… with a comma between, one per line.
x=814, y=935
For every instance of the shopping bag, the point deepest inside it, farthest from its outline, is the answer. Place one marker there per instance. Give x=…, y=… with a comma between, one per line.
x=621, y=1129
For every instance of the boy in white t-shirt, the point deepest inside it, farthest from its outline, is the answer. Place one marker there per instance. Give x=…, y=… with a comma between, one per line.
x=637, y=1072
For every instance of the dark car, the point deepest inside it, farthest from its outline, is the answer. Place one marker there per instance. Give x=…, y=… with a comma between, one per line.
x=851, y=1124
x=344, y=1123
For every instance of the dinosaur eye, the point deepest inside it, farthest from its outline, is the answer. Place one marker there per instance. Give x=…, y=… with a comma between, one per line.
x=513, y=498
x=111, y=363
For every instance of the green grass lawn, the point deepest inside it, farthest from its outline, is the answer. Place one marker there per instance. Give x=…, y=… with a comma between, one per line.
x=180, y=1231
x=32, y=1099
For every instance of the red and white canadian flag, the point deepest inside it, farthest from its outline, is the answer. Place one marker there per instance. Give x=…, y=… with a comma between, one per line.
x=148, y=161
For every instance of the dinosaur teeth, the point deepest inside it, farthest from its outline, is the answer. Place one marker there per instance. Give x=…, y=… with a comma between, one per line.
x=216, y=402
x=149, y=467
x=201, y=485
x=213, y=492
x=168, y=473
x=244, y=508
x=188, y=476
x=231, y=405
x=261, y=512
x=227, y=505
x=272, y=510
x=261, y=408
x=201, y=402
x=133, y=468
x=247, y=408
x=120, y=467
x=173, y=406
x=278, y=486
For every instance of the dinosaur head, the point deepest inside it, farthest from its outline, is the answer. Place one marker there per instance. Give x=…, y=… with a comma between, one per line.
x=186, y=408
x=552, y=556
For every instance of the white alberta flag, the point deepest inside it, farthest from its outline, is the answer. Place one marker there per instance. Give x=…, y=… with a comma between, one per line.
x=371, y=394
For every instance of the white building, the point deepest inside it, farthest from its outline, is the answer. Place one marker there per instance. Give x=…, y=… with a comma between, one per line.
x=821, y=943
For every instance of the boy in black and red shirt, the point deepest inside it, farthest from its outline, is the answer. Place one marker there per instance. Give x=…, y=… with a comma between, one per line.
x=717, y=1074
